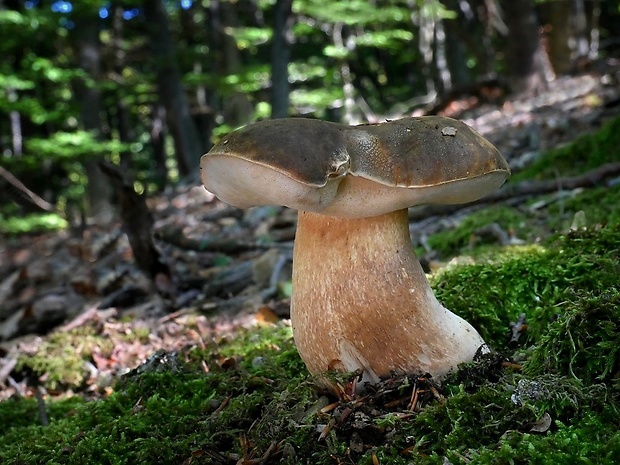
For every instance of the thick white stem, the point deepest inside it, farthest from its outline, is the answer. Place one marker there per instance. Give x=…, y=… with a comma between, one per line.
x=361, y=301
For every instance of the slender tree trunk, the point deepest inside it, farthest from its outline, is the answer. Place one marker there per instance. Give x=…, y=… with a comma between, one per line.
x=238, y=109
x=171, y=92
x=525, y=57
x=595, y=33
x=559, y=36
x=15, y=118
x=580, y=28
x=86, y=42
x=280, y=58
x=456, y=54
x=426, y=32
x=158, y=144
x=123, y=118
x=441, y=62
x=342, y=39
x=195, y=34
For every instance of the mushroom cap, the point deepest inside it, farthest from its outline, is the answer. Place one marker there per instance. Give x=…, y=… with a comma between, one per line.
x=353, y=171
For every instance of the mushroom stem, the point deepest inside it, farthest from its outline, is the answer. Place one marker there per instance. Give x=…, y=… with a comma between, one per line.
x=362, y=301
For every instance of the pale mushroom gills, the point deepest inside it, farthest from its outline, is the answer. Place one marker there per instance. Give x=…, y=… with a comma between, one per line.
x=361, y=300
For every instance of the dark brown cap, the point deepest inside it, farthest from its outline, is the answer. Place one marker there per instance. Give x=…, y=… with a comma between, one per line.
x=353, y=171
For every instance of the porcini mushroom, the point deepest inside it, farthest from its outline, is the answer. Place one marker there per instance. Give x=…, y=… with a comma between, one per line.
x=360, y=297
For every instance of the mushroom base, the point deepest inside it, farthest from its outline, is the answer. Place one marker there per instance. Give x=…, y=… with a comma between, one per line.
x=361, y=301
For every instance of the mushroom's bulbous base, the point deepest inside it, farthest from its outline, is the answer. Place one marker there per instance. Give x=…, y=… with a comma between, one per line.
x=361, y=301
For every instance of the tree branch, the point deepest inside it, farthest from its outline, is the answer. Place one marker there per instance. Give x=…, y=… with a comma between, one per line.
x=34, y=198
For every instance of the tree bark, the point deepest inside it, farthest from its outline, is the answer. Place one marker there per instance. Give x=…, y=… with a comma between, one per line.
x=525, y=56
x=157, y=135
x=195, y=35
x=238, y=109
x=123, y=118
x=86, y=43
x=559, y=36
x=137, y=224
x=456, y=54
x=170, y=86
x=280, y=58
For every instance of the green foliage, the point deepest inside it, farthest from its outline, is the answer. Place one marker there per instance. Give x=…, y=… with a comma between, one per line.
x=250, y=37
x=34, y=223
x=353, y=13
x=73, y=146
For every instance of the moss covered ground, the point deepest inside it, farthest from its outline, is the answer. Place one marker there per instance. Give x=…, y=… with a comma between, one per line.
x=548, y=393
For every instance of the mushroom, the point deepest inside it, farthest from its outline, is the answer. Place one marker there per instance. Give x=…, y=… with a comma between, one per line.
x=361, y=300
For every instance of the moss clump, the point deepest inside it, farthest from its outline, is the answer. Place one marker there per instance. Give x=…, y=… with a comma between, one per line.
x=469, y=424
x=587, y=441
x=584, y=340
x=18, y=413
x=468, y=237
x=534, y=280
x=582, y=154
x=62, y=356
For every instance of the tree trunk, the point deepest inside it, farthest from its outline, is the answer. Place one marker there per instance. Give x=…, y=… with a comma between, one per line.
x=559, y=37
x=138, y=225
x=123, y=119
x=280, y=58
x=426, y=33
x=172, y=94
x=525, y=56
x=195, y=34
x=158, y=144
x=580, y=28
x=238, y=109
x=342, y=38
x=456, y=54
x=86, y=42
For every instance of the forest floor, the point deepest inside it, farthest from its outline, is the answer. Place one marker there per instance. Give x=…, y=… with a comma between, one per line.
x=99, y=365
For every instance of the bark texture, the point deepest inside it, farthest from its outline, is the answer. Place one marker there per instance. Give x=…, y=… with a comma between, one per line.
x=171, y=91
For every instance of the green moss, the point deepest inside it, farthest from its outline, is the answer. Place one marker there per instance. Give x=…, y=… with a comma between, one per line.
x=535, y=280
x=464, y=237
x=584, y=153
x=588, y=441
x=600, y=206
x=168, y=410
x=62, y=355
x=25, y=412
x=584, y=341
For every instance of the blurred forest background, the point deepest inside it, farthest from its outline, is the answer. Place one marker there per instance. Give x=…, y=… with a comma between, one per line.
x=148, y=85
